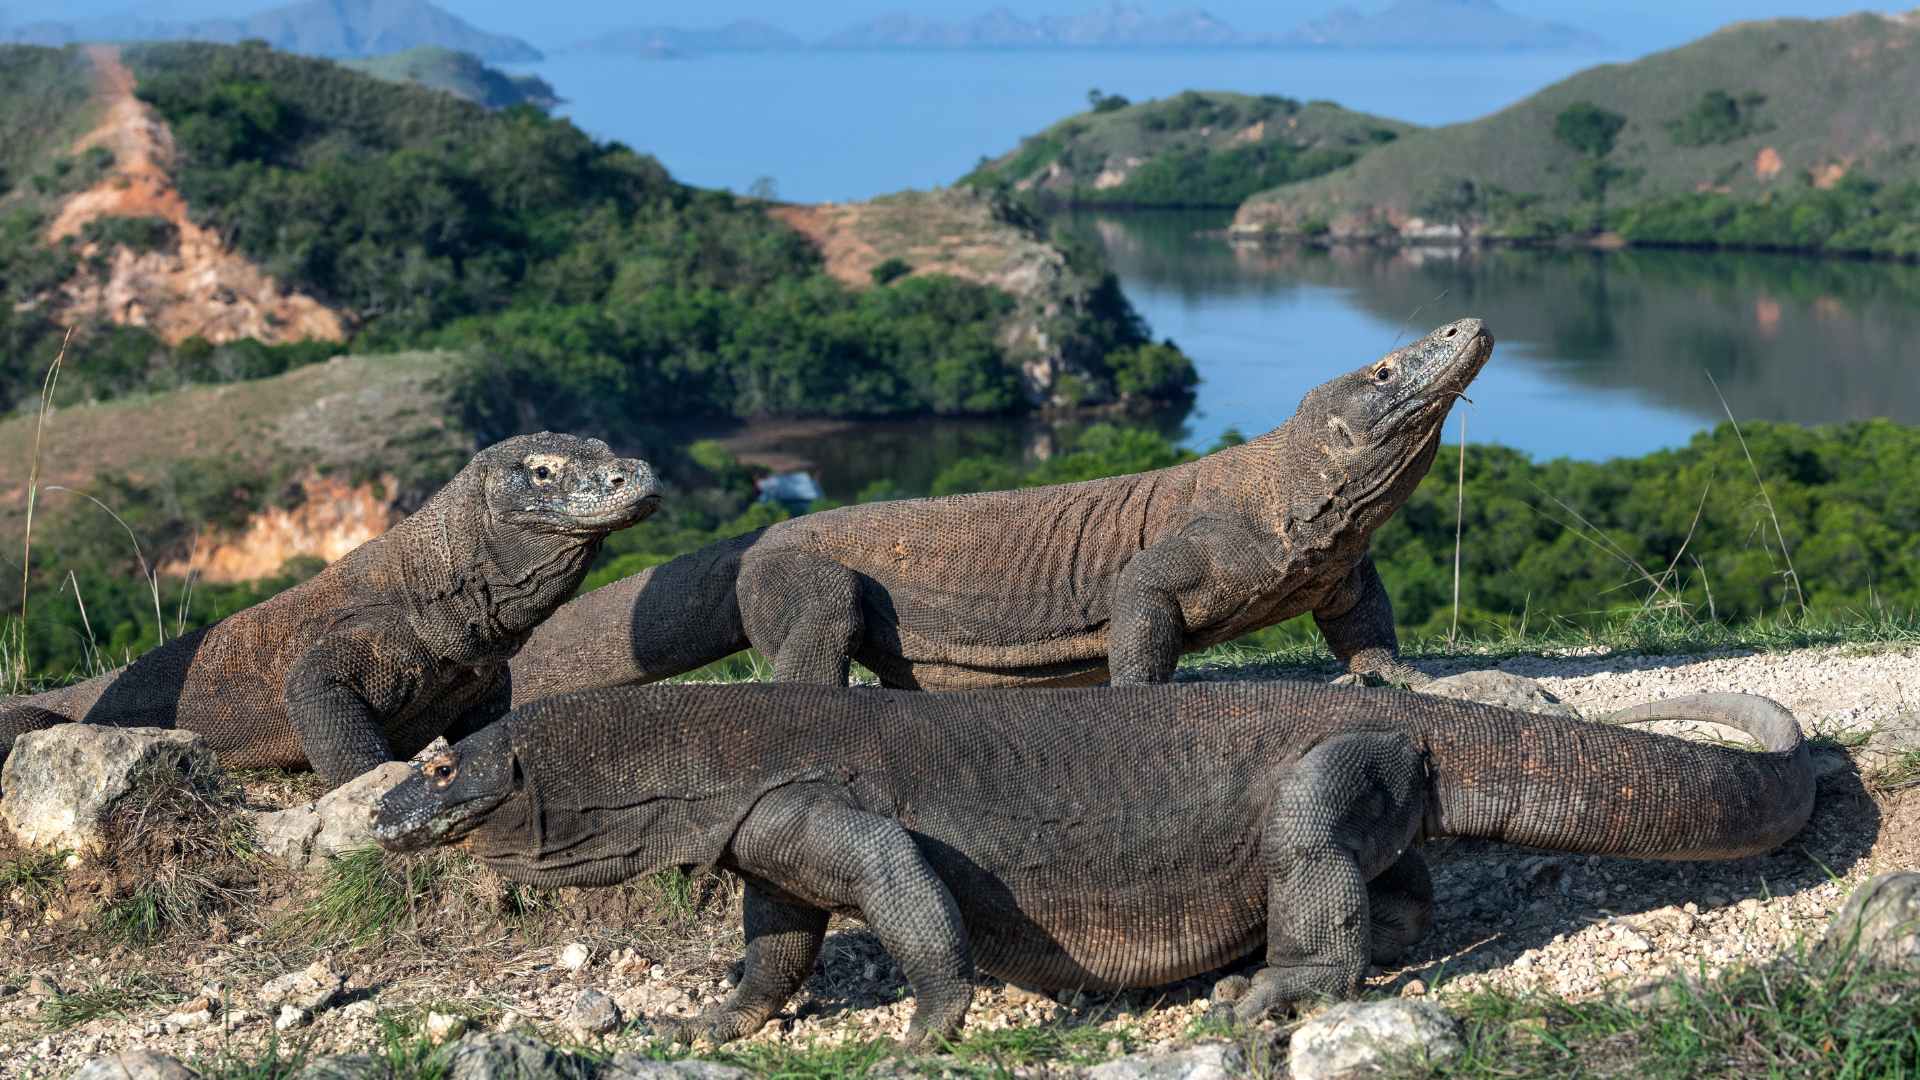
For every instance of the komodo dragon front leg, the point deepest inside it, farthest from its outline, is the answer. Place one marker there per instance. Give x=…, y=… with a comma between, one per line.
x=802, y=610
x=1194, y=579
x=337, y=693
x=805, y=851
x=1340, y=819
x=1356, y=618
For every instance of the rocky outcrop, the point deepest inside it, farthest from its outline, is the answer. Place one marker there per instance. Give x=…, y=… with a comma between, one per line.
x=1360, y=1038
x=304, y=836
x=1880, y=923
x=134, y=1065
x=59, y=785
x=331, y=518
x=968, y=235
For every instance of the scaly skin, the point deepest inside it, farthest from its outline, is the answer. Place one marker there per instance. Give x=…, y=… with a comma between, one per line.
x=1081, y=838
x=1066, y=585
x=405, y=638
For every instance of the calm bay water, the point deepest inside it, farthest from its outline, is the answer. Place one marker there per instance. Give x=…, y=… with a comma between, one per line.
x=830, y=126
x=1600, y=355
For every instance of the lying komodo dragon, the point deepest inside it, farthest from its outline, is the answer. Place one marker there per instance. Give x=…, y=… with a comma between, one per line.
x=1052, y=585
x=404, y=638
x=1080, y=838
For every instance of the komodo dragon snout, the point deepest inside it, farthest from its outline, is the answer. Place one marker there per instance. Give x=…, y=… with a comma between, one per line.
x=452, y=793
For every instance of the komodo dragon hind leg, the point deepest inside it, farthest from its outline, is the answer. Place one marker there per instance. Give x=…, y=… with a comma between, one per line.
x=803, y=610
x=807, y=841
x=1400, y=903
x=1340, y=816
x=783, y=940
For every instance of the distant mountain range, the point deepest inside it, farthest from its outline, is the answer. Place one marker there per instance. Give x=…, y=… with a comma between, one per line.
x=1121, y=25
x=1441, y=24
x=331, y=28
x=1406, y=24
x=745, y=35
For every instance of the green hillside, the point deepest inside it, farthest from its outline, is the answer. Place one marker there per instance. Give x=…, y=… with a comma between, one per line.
x=1787, y=133
x=45, y=106
x=1194, y=149
x=461, y=74
x=589, y=285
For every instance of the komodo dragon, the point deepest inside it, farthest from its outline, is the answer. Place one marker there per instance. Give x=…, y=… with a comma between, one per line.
x=1081, y=838
x=403, y=638
x=1053, y=585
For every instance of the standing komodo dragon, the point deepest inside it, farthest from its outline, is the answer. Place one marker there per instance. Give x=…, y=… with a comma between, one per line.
x=1052, y=585
x=402, y=639
x=1081, y=838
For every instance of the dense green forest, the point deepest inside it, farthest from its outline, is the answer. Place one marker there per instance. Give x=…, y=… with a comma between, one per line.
x=1689, y=532
x=580, y=277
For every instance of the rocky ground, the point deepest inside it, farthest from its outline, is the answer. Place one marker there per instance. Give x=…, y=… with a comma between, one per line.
x=376, y=955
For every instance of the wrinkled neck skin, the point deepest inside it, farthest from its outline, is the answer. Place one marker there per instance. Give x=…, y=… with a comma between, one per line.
x=1321, y=491
x=475, y=586
x=582, y=815
x=540, y=840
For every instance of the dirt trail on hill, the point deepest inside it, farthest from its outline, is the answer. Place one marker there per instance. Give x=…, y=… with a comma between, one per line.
x=199, y=288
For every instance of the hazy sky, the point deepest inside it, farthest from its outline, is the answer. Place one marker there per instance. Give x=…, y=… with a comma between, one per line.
x=1637, y=24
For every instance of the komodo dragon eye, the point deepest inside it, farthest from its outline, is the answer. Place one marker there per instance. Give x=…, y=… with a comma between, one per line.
x=1383, y=374
x=541, y=472
x=441, y=772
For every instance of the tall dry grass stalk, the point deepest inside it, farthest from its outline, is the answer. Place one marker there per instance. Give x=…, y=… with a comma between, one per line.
x=1792, y=575
x=17, y=676
x=1459, y=522
x=151, y=575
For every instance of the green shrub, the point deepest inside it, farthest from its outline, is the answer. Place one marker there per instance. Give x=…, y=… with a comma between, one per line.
x=1152, y=371
x=1588, y=128
x=1718, y=118
x=139, y=234
x=890, y=270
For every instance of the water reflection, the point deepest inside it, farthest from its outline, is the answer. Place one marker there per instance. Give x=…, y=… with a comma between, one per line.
x=1624, y=336
x=1600, y=355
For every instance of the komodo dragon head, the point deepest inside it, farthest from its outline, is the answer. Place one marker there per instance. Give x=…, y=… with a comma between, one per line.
x=1365, y=439
x=453, y=793
x=566, y=484
x=509, y=539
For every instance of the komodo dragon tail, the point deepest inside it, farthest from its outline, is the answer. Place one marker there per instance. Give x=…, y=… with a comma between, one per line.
x=678, y=616
x=1600, y=788
x=34, y=712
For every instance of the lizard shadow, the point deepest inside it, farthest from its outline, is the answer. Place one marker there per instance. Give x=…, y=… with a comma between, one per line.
x=147, y=691
x=855, y=972
x=1495, y=902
